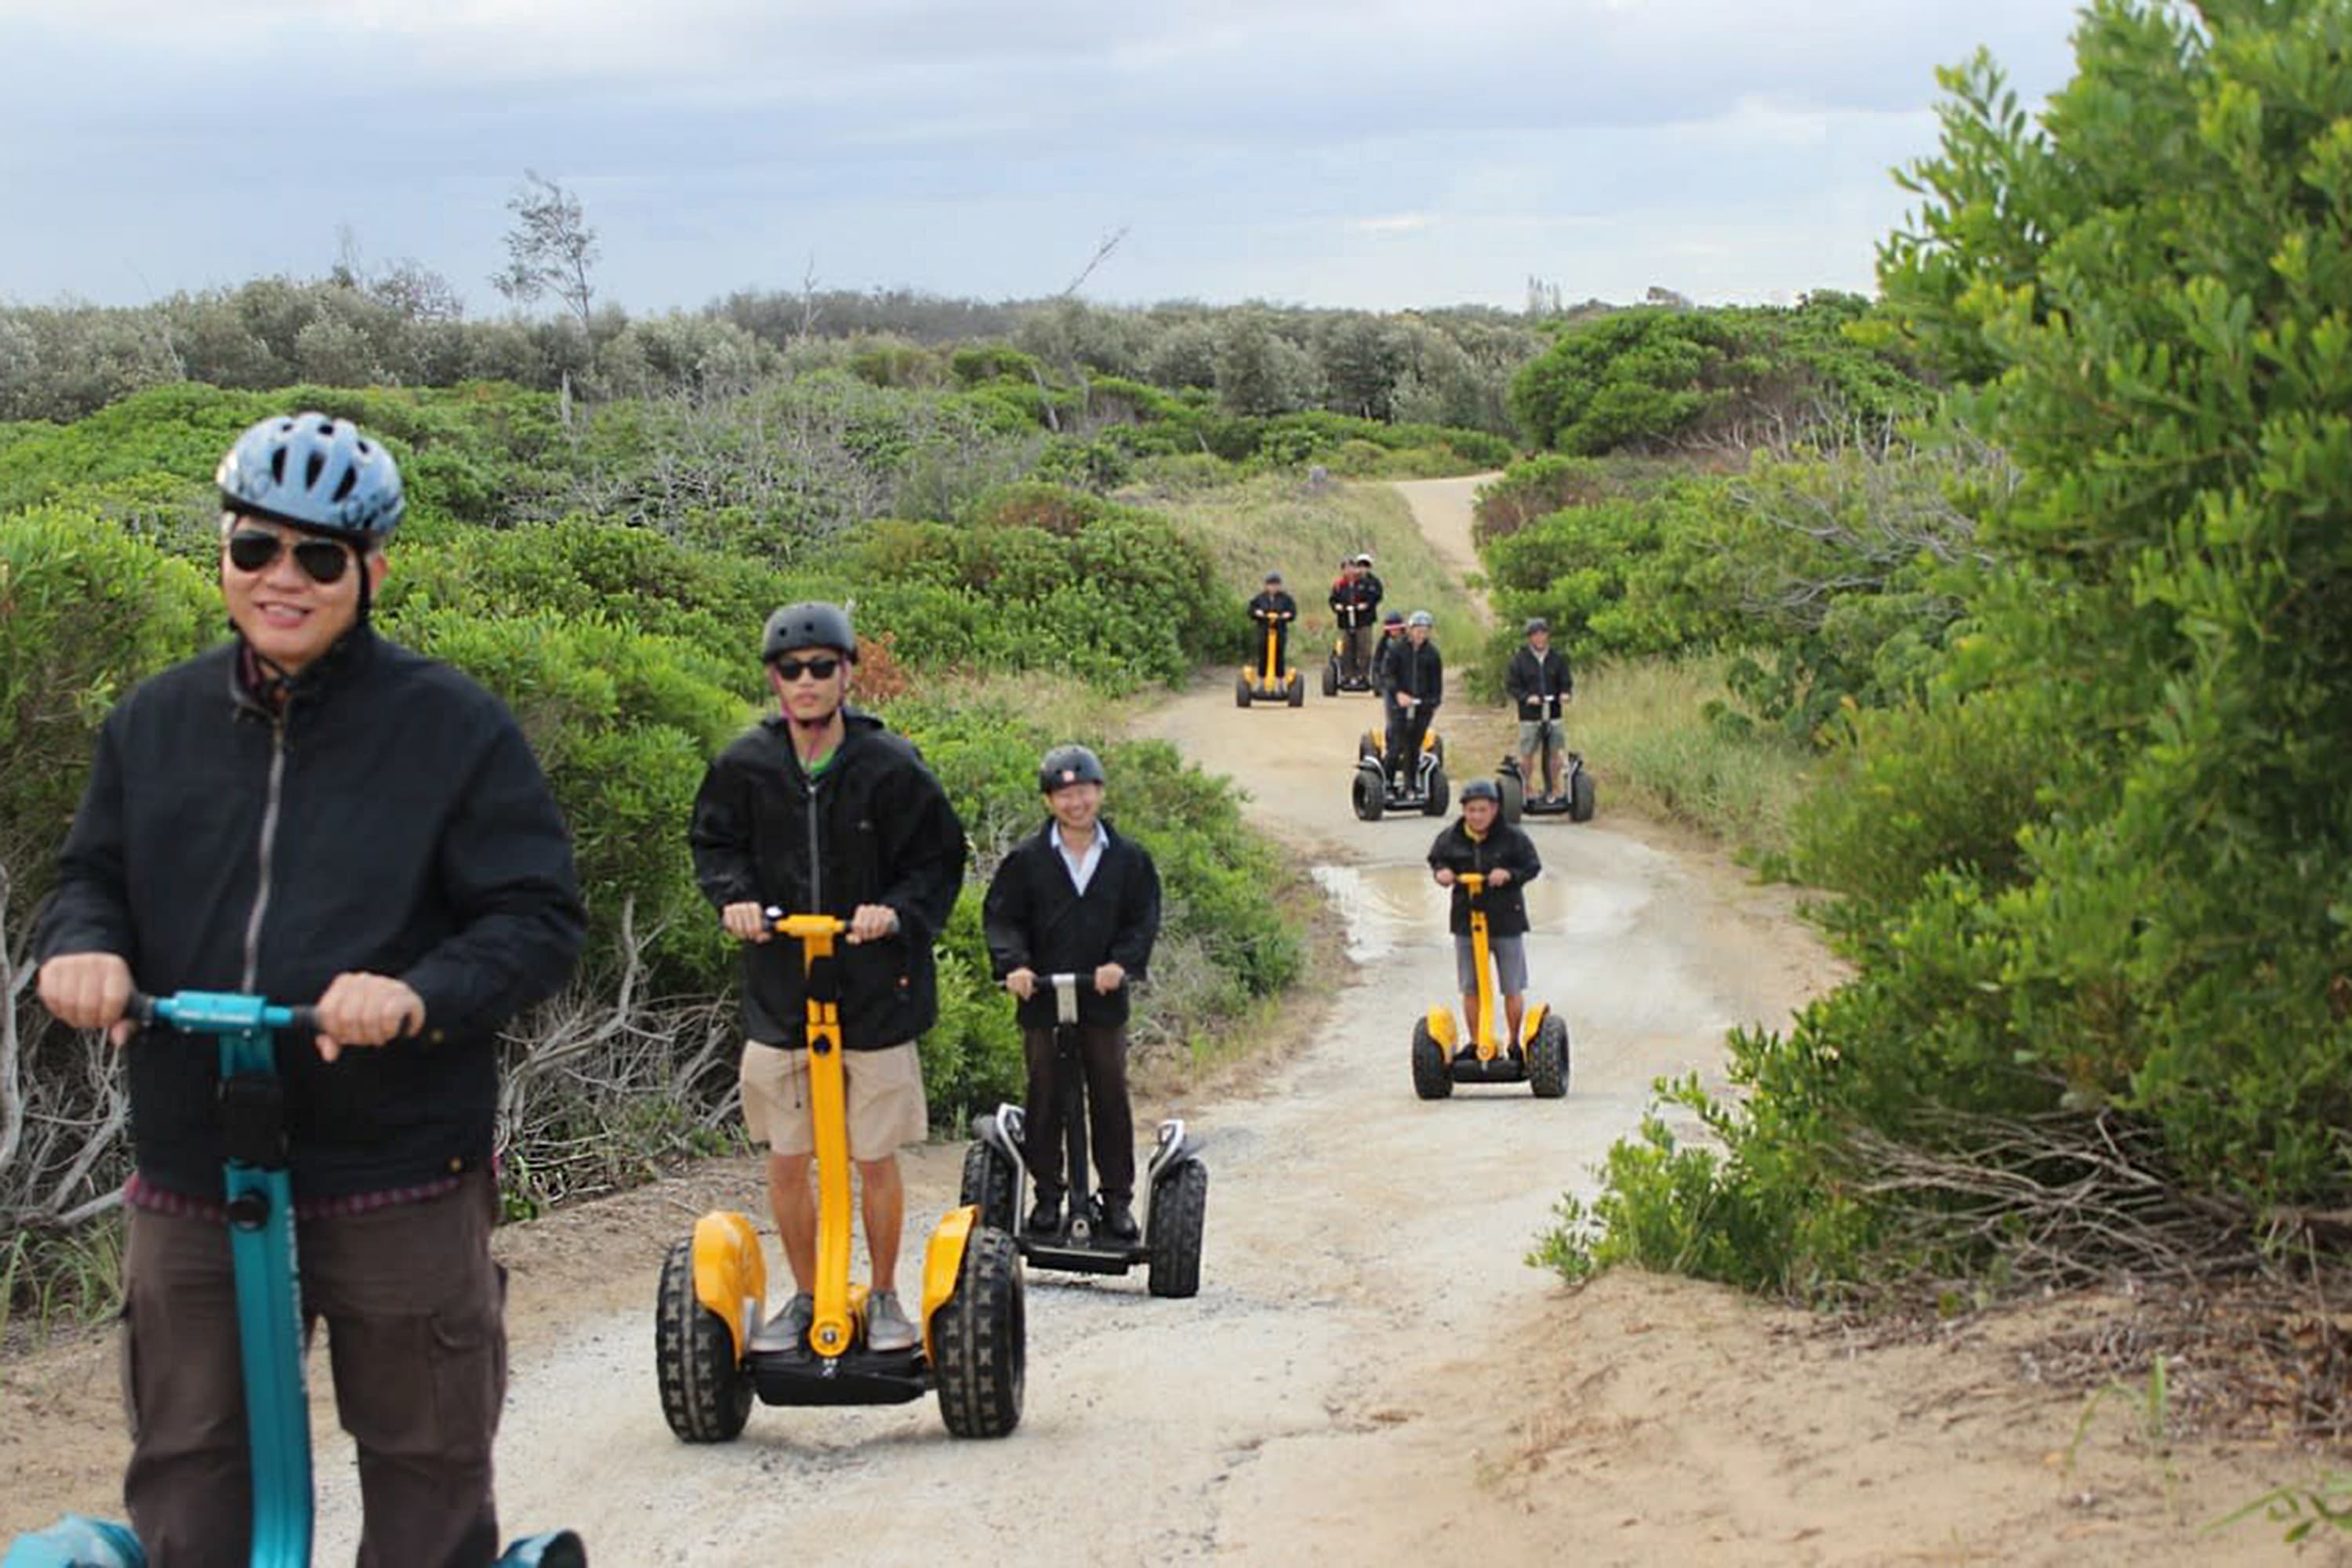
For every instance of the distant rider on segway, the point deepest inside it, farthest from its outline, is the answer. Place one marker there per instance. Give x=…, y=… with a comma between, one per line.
x=1075, y=898
x=1538, y=682
x=1411, y=684
x=1273, y=607
x=1356, y=611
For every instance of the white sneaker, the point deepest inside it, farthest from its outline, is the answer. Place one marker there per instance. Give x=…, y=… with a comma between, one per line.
x=886, y=1328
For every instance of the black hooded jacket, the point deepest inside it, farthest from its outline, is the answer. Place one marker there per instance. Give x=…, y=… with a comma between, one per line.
x=390, y=818
x=1036, y=918
x=1420, y=670
x=1504, y=846
x=1537, y=683
x=873, y=827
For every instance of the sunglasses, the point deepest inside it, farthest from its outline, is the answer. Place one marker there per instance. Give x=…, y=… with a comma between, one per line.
x=794, y=668
x=321, y=559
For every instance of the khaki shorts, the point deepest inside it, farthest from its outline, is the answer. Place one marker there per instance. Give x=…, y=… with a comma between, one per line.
x=884, y=1089
x=1531, y=732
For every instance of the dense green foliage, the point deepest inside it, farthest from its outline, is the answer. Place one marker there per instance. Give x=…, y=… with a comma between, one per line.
x=1659, y=378
x=2094, y=880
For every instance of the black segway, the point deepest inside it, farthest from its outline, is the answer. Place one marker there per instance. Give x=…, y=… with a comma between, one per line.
x=1577, y=799
x=1175, y=1182
x=1337, y=677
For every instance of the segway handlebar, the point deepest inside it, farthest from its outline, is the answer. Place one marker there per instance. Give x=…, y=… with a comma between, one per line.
x=1473, y=882
x=1065, y=997
x=218, y=1013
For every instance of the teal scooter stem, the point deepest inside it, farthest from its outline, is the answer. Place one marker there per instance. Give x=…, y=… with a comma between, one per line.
x=258, y=1193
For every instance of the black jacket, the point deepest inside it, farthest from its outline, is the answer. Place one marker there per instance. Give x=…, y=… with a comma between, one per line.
x=1274, y=607
x=875, y=828
x=1356, y=603
x=390, y=819
x=1538, y=684
x=1507, y=907
x=1036, y=918
x=1420, y=670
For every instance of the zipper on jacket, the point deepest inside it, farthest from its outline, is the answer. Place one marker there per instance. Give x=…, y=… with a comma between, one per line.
x=816, y=848
x=264, y=856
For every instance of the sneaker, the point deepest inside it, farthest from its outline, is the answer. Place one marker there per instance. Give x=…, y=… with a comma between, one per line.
x=886, y=1328
x=1045, y=1219
x=789, y=1327
x=1119, y=1219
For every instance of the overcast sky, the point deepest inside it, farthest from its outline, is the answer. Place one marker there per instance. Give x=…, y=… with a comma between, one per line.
x=1381, y=154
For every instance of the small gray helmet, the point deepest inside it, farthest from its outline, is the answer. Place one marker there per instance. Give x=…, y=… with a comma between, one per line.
x=1480, y=789
x=1068, y=765
x=1421, y=619
x=810, y=624
x=1537, y=623
x=312, y=471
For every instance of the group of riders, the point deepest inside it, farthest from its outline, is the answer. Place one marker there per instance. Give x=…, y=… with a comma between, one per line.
x=1390, y=654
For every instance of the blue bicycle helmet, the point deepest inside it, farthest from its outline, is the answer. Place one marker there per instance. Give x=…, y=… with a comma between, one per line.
x=315, y=472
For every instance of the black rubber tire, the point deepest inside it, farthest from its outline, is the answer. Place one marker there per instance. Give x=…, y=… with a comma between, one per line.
x=1581, y=800
x=988, y=1183
x=1370, y=793
x=1180, y=1213
x=1295, y=692
x=1548, y=1063
x=1241, y=691
x=1331, y=675
x=1430, y=1078
x=1440, y=794
x=1515, y=796
x=981, y=1336
x=706, y=1393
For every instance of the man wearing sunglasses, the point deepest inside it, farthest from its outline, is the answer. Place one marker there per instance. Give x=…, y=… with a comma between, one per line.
x=312, y=813
x=819, y=810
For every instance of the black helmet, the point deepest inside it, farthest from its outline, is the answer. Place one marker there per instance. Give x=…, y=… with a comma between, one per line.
x=1537, y=623
x=1068, y=765
x=1274, y=576
x=1480, y=789
x=810, y=624
x=1393, y=617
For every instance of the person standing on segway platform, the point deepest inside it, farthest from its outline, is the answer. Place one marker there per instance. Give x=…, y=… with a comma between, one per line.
x=311, y=811
x=1356, y=609
x=1392, y=634
x=1538, y=679
x=1413, y=684
x=1075, y=898
x=1480, y=840
x=1273, y=607
x=818, y=810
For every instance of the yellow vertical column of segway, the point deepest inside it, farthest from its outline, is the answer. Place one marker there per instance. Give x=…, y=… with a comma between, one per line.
x=1272, y=677
x=1474, y=883
x=831, y=1330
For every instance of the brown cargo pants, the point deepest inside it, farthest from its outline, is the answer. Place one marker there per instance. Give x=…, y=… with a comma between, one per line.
x=414, y=1306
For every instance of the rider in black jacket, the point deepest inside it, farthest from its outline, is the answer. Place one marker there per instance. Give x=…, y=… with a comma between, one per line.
x=1041, y=921
x=1412, y=685
x=818, y=810
x=1480, y=840
x=1356, y=611
x=1275, y=609
x=311, y=812
x=1539, y=682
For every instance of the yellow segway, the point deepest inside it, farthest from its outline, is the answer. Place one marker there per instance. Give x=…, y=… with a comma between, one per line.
x=1539, y=1058
x=713, y=1357
x=1266, y=681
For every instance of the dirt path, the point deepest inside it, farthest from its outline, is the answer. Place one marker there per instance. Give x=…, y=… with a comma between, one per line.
x=1369, y=1374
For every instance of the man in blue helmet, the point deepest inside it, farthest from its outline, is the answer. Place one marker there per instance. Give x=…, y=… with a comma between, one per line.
x=1075, y=898
x=819, y=810
x=310, y=811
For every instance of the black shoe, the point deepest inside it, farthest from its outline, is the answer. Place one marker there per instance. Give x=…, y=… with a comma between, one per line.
x=1045, y=1219
x=1119, y=1220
